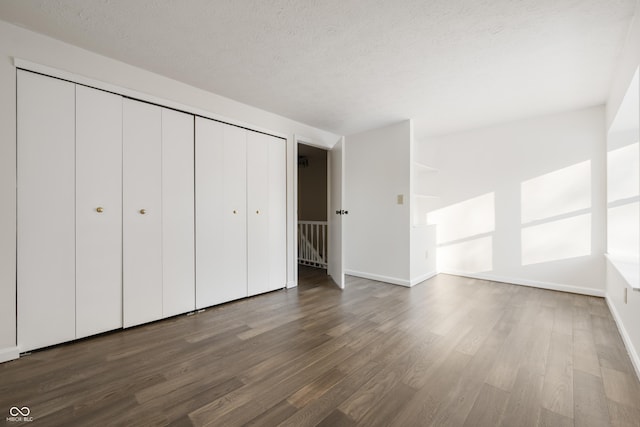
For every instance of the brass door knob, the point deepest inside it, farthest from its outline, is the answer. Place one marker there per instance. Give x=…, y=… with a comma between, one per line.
x=99, y=209
x=143, y=211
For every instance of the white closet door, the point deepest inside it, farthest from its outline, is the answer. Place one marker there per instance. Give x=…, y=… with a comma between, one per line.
x=46, y=211
x=221, y=215
x=98, y=211
x=336, y=187
x=258, y=215
x=277, y=213
x=142, y=213
x=178, y=258
x=209, y=189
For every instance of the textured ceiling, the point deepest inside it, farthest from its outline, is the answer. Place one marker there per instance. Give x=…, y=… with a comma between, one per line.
x=350, y=65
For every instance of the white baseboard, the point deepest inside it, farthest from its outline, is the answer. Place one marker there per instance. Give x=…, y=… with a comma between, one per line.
x=530, y=283
x=422, y=278
x=386, y=279
x=291, y=285
x=10, y=353
x=633, y=353
x=494, y=278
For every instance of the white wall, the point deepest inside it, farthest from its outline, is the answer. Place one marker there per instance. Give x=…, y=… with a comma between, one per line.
x=16, y=42
x=524, y=202
x=627, y=315
x=628, y=62
x=376, y=230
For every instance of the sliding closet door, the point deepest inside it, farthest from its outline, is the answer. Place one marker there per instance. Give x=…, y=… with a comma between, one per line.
x=266, y=196
x=258, y=219
x=46, y=211
x=178, y=258
x=142, y=213
x=277, y=213
x=221, y=215
x=98, y=211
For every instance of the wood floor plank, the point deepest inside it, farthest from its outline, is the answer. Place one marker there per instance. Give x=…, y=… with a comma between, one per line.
x=557, y=391
x=524, y=404
x=614, y=357
x=474, y=339
x=581, y=316
x=183, y=401
x=623, y=416
x=274, y=415
x=316, y=388
x=598, y=307
x=337, y=419
x=621, y=388
x=503, y=375
x=551, y=419
x=388, y=407
x=590, y=401
x=488, y=407
x=421, y=409
x=317, y=410
x=537, y=347
x=585, y=354
x=458, y=402
x=369, y=395
x=563, y=317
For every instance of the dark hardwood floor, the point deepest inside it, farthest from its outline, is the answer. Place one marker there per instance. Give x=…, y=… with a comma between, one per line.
x=449, y=352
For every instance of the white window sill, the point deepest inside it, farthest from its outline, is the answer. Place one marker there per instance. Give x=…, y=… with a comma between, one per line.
x=628, y=269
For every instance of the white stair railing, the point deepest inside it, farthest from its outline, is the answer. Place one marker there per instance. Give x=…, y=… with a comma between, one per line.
x=312, y=243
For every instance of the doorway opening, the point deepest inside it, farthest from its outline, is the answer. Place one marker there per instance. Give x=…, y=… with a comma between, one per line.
x=313, y=227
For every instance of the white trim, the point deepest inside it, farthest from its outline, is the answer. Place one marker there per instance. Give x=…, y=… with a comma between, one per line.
x=422, y=278
x=295, y=209
x=379, y=278
x=633, y=353
x=292, y=284
x=308, y=141
x=299, y=139
x=76, y=78
x=7, y=354
x=531, y=283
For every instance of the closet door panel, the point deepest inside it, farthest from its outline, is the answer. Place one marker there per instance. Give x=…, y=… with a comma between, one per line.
x=221, y=215
x=46, y=211
x=277, y=213
x=258, y=212
x=142, y=213
x=98, y=211
x=178, y=258
x=209, y=251
x=234, y=205
x=209, y=214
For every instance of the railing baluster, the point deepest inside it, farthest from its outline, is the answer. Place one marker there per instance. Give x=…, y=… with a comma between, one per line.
x=314, y=237
x=324, y=244
x=309, y=247
x=309, y=243
x=305, y=241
